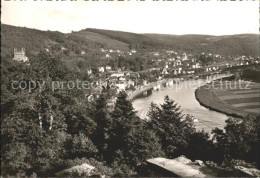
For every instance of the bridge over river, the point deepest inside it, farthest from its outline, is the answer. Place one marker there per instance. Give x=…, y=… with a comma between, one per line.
x=143, y=89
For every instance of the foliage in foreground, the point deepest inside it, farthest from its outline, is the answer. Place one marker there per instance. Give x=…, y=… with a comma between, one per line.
x=44, y=132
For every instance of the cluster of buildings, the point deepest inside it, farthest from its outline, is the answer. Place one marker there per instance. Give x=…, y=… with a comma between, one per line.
x=185, y=64
x=166, y=62
x=116, y=81
x=109, y=53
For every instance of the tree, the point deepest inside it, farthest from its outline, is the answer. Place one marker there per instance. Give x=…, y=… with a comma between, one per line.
x=198, y=141
x=80, y=146
x=239, y=140
x=123, y=107
x=101, y=134
x=172, y=130
x=141, y=144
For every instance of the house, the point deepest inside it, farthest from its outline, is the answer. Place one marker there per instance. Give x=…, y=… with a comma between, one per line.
x=107, y=55
x=169, y=52
x=117, y=75
x=133, y=51
x=82, y=52
x=101, y=69
x=145, y=83
x=130, y=82
x=212, y=68
x=120, y=85
x=19, y=55
x=156, y=54
x=177, y=62
x=190, y=71
x=179, y=70
x=184, y=57
x=89, y=71
x=127, y=73
x=108, y=68
x=208, y=69
x=196, y=65
x=164, y=71
x=175, y=72
x=122, y=78
x=89, y=97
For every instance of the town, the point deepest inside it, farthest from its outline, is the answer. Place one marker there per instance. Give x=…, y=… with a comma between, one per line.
x=163, y=64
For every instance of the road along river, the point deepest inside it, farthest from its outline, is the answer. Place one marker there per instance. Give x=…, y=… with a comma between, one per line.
x=184, y=94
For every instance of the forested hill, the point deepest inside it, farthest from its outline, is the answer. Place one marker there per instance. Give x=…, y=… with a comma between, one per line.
x=35, y=40
x=243, y=44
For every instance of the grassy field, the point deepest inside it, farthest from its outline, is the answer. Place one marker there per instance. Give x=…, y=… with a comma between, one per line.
x=235, y=98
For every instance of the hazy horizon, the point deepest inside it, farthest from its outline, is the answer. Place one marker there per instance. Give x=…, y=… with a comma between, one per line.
x=137, y=33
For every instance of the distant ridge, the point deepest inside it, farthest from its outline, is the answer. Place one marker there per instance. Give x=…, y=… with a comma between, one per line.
x=90, y=38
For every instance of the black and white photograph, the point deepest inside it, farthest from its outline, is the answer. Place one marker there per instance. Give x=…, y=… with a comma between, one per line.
x=130, y=88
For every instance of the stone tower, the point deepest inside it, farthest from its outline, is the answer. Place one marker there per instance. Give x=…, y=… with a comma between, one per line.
x=19, y=55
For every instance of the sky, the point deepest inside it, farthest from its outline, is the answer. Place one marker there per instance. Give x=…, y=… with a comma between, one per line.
x=163, y=17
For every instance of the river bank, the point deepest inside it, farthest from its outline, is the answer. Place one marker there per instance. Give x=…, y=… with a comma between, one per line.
x=235, y=100
x=209, y=100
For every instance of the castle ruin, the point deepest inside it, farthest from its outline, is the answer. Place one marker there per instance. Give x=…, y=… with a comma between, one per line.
x=19, y=55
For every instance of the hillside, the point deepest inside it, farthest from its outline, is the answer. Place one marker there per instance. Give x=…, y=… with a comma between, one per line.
x=94, y=39
x=106, y=41
x=244, y=44
x=36, y=40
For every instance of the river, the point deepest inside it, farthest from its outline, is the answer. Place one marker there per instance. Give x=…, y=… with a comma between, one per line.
x=183, y=93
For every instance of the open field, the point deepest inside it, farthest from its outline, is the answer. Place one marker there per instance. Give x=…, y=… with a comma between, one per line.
x=235, y=99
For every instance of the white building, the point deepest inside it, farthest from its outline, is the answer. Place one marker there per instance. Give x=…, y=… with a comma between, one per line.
x=133, y=51
x=82, y=52
x=177, y=63
x=185, y=58
x=117, y=75
x=121, y=85
x=130, y=82
x=156, y=54
x=190, y=71
x=19, y=55
x=89, y=71
x=196, y=65
x=101, y=69
x=164, y=71
x=108, y=68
